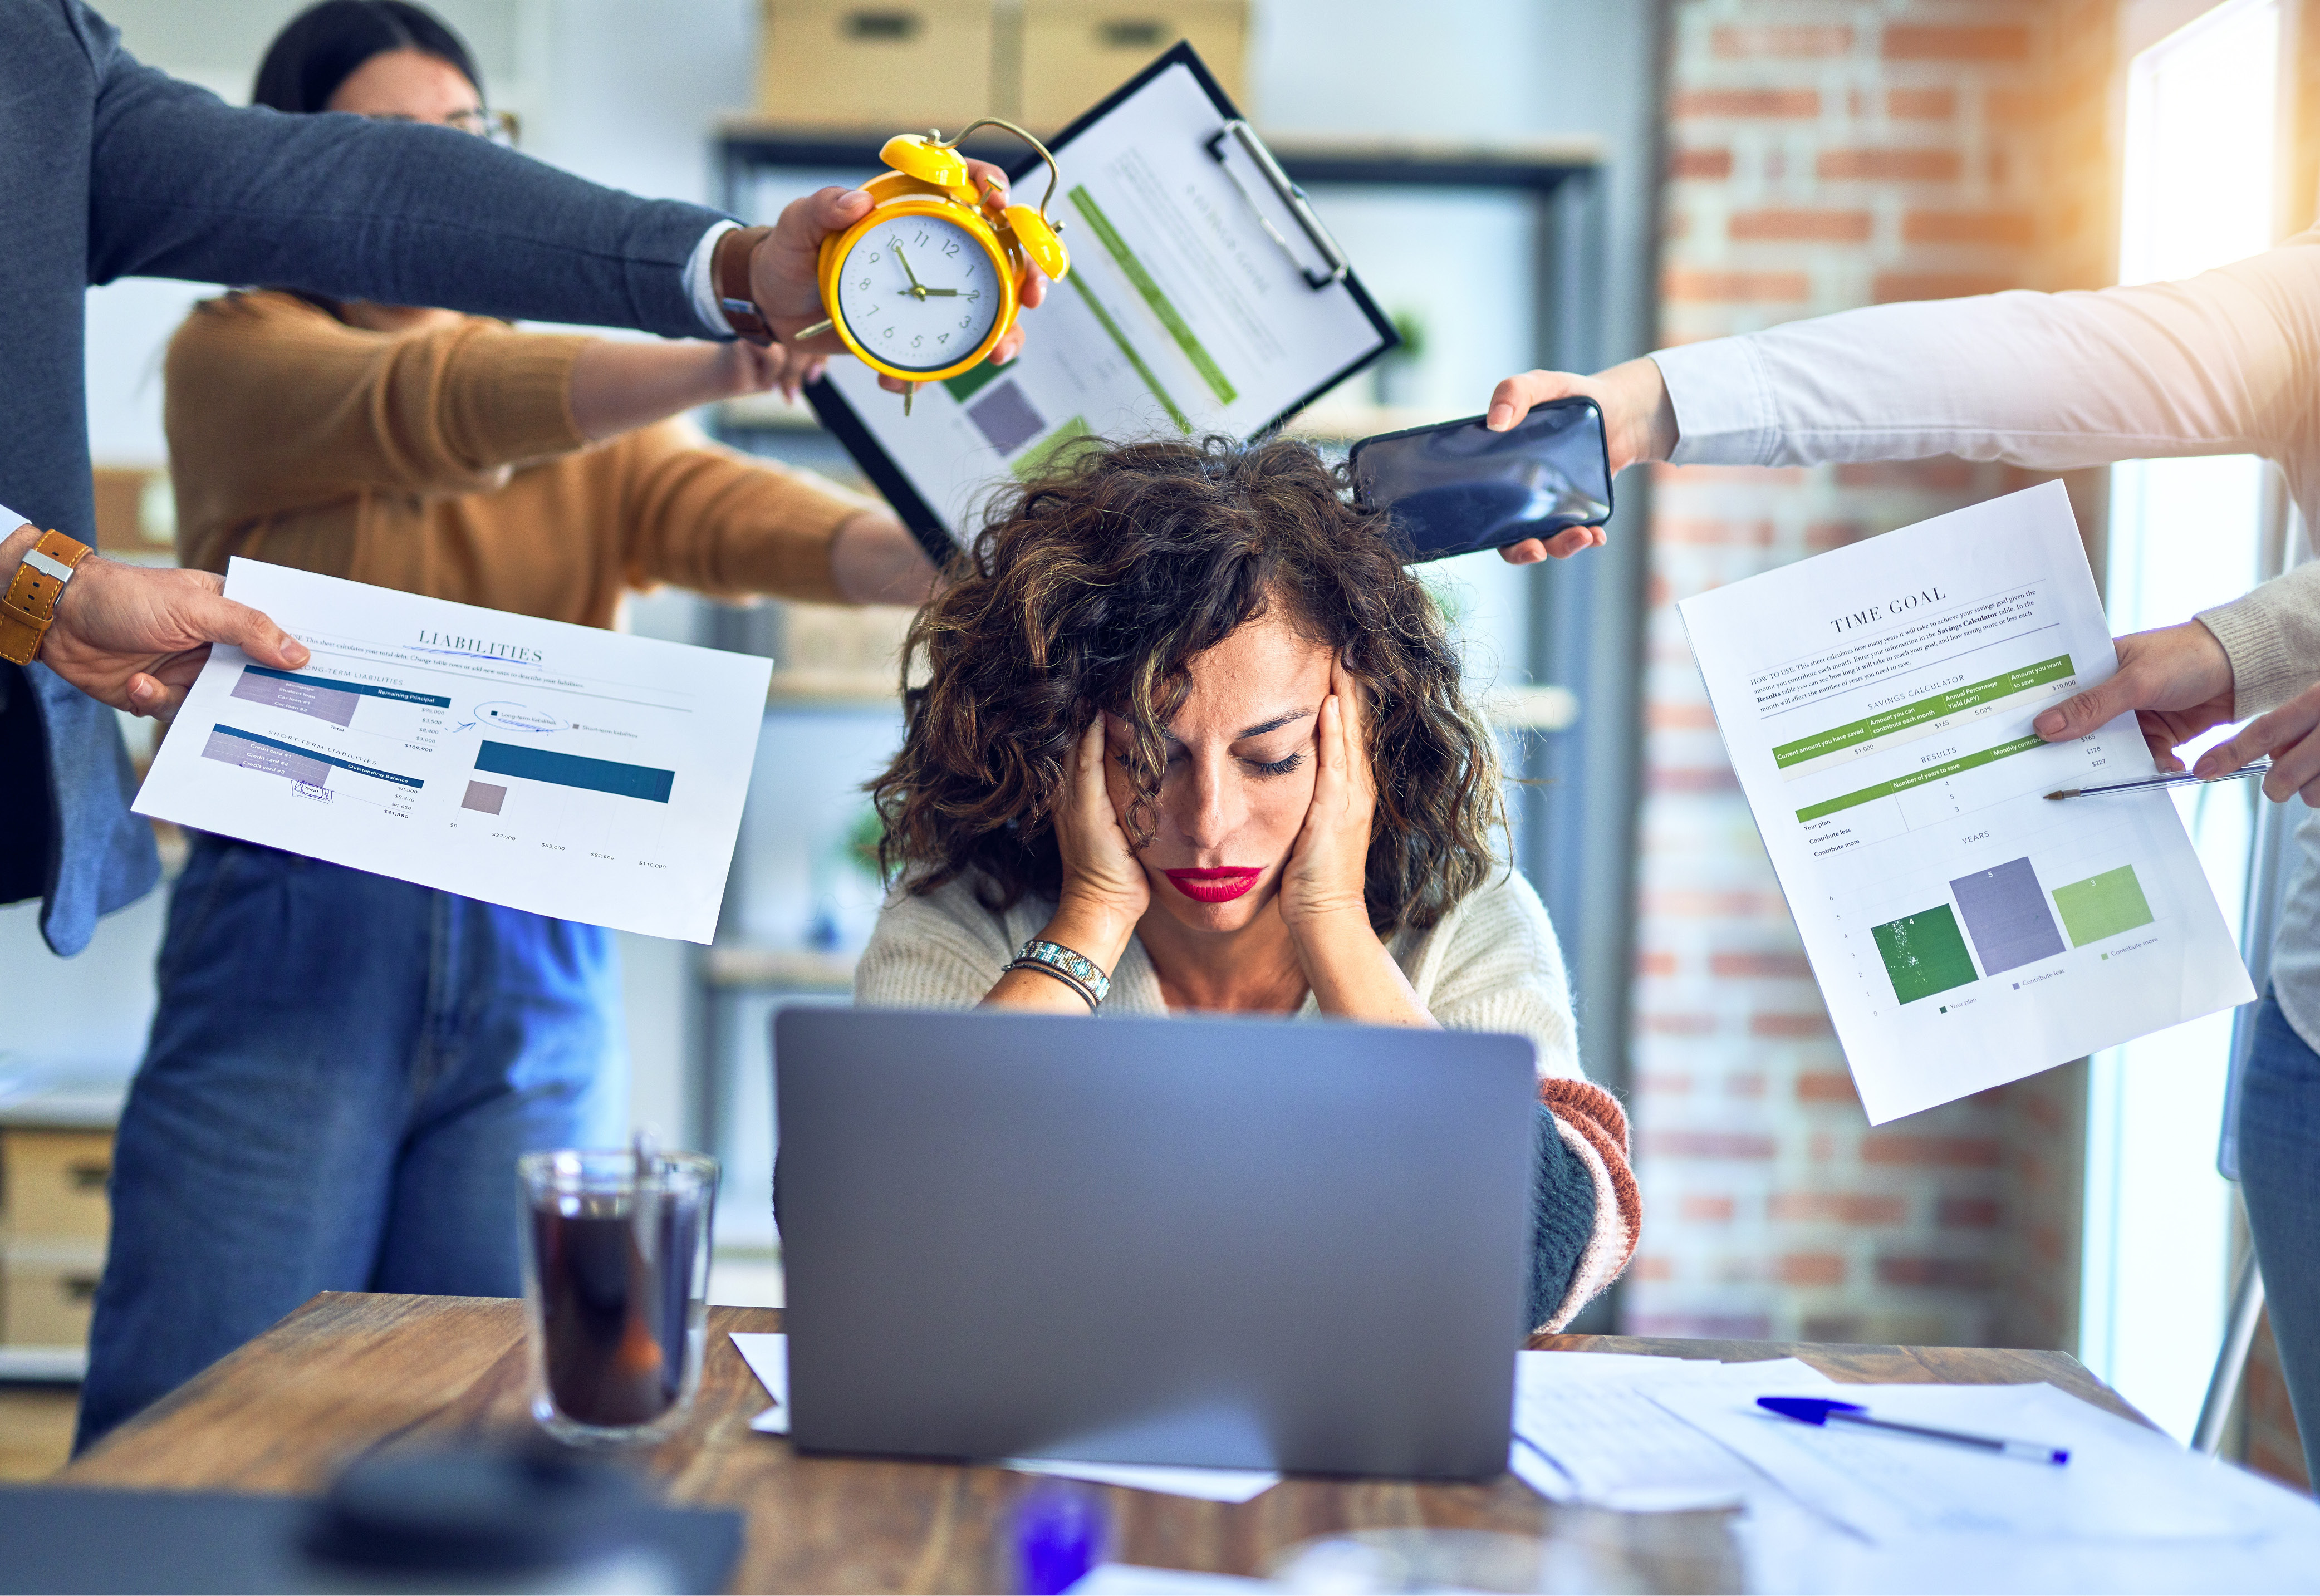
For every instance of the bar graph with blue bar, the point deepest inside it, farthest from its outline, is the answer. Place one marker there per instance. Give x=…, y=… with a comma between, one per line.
x=331, y=685
x=574, y=770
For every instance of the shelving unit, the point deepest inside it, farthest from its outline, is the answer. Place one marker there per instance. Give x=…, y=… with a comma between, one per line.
x=56, y=1152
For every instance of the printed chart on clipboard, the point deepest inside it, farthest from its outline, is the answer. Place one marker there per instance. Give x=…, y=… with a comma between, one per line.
x=1204, y=296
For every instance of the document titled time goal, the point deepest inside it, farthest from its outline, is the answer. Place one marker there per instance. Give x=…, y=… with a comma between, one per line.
x=1877, y=703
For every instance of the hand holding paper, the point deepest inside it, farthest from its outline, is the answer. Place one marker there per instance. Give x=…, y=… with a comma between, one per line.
x=576, y=773
x=1879, y=704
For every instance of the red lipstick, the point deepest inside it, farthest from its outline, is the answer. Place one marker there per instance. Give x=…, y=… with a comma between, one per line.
x=1213, y=886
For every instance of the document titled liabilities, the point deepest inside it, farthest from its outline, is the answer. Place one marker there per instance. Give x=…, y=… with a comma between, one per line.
x=562, y=769
x=1877, y=703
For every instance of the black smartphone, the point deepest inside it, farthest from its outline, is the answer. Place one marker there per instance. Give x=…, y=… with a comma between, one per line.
x=1459, y=488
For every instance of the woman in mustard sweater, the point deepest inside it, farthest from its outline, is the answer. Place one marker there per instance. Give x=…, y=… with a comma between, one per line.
x=344, y=1068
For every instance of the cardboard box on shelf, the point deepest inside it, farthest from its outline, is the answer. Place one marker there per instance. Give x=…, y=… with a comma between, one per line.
x=888, y=66
x=1074, y=52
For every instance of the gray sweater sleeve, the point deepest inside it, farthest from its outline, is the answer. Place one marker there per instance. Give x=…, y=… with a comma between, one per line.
x=182, y=184
x=2272, y=637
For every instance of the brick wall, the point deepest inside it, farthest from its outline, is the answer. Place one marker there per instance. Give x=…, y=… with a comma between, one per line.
x=1826, y=154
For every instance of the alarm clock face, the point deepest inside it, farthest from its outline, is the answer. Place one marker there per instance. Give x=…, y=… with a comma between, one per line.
x=918, y=292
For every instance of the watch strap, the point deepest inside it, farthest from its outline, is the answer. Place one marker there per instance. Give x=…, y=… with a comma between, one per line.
x=729, y=271
x=30, y=604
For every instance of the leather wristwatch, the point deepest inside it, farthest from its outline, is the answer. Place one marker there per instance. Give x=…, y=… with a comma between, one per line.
x=31, y=603
x=729, y=270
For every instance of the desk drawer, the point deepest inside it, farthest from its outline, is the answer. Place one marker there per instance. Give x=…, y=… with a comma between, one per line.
x=45, y=1301
x=52, y=1182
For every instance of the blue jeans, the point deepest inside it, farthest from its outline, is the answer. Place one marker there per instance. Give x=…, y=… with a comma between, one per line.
x=2280, y=1178
x=342, y=1071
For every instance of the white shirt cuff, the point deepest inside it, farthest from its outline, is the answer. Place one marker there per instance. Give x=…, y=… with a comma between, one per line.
x=1724, y=409
x=700, y=282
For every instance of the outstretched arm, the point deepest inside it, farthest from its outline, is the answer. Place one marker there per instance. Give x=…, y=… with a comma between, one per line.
x=618, y=385
x=182, y=184
x=2217, y=364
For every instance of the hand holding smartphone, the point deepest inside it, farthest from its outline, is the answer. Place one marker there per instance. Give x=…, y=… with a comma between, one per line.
x=1458, y=487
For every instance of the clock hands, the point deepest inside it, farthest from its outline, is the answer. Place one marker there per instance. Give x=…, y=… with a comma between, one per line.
x=917, y=289
x=923, y=292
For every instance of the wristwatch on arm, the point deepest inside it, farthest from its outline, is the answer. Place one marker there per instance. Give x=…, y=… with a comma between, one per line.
x=31, y=603
x=729, y=270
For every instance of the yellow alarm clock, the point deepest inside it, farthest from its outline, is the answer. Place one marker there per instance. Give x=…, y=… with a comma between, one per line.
x=925, y=286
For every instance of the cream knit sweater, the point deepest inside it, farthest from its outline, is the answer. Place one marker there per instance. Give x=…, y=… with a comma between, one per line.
x=1492, y=963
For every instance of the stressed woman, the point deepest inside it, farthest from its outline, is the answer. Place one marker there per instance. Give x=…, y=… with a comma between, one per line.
x=1192, y=738
x=344, y=1068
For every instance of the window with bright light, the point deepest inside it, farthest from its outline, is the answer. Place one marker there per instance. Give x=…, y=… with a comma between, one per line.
x=2201, y=180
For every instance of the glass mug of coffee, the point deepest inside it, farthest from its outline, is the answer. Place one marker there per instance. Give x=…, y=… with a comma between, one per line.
x=615, y=1286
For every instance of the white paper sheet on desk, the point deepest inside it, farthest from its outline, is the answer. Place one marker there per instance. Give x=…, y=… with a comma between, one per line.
x=768, y=1357
x=1788, y=1551
x=1586, y=1430
x=566, y=770
x=767, y=1354
x=2123, y=1482
x=1205, y=1485
x=1877, y=702
x=1134, y=1579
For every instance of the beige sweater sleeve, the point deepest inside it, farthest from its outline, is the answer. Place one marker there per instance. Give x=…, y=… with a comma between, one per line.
x=941, y=951
x=1499, y=968
x=2272, y=637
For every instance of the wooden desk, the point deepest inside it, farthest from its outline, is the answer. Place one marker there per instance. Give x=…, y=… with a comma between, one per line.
x=345, y=1371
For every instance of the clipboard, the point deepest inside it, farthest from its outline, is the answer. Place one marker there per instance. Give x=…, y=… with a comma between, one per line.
x=1205, y=296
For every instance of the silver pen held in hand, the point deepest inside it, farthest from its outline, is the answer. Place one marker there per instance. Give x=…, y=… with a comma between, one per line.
x=2175, y=778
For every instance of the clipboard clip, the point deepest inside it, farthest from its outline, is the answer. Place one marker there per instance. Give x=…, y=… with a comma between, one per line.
x=1239, y=132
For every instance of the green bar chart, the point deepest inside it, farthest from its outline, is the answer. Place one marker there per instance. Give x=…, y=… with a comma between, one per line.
x=2102, y=906
x=1924, y=953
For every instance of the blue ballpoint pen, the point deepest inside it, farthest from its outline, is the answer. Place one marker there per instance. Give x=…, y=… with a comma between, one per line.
x=1823, y=1412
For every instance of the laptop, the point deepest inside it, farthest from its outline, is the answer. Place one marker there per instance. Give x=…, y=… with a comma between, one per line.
x=1230, y=1243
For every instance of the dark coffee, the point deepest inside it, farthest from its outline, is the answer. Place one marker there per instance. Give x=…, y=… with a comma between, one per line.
x=614, y=1286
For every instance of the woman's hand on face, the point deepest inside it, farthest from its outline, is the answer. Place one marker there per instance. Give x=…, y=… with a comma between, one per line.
x=1105, y=891
x=1324, y=884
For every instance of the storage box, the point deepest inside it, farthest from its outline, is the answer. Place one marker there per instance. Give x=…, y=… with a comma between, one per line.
x=885, y=66
x=52, y=1182
x=45, y=1298
x=1074, y=52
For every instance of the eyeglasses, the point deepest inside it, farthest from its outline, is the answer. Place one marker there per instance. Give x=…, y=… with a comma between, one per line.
x=501, y=127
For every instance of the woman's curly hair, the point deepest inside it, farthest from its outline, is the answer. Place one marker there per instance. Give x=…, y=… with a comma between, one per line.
x=1095, y=587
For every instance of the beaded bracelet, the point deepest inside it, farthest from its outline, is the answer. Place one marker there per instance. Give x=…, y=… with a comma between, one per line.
x=1086, y=996
x=1055, y=956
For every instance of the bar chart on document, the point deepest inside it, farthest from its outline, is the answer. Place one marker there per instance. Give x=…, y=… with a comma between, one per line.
x=568, y=771
x=1877, y=703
